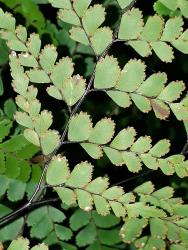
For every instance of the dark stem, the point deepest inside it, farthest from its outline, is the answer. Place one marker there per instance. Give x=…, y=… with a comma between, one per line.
x=133, y=92
x=44, y=202
x=133, y=177
x=185, y=148
x=129, y=7
x=116, y=31
x=13, y=214
x=81, y=22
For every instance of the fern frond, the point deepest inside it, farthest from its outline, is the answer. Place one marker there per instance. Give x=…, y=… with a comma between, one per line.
x=49, y=219
x=171, y=228
x=10, y=231
x=131, y=85
x=155, y=35
x=124, y=148
x=152, y=206
x=173, y=7
x=42, y=64
x=98, y=227
x=22, y=243
x=87, y=22
x=15, y=166
x=74, y=187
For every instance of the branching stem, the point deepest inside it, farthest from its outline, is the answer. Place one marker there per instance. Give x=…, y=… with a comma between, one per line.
x=33, y=200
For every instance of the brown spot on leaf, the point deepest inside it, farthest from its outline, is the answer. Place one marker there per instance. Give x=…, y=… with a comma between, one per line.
x=41, y=159
x=161, y=109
